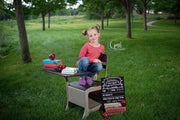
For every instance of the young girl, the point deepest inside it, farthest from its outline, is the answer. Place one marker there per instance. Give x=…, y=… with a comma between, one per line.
x=88, y=57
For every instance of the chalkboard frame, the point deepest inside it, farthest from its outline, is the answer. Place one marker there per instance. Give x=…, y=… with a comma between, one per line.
x=113, y=89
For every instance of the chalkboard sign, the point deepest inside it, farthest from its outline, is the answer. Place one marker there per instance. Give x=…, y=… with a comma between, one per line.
x=113, y=89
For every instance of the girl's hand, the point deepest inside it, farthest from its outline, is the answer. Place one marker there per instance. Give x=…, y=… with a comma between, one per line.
x=95, y=76
x=97, y=61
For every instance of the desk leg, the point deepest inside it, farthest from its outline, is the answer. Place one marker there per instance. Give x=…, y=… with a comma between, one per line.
x=67, y=84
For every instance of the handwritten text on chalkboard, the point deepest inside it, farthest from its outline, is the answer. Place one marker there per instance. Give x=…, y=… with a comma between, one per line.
x=113, y=89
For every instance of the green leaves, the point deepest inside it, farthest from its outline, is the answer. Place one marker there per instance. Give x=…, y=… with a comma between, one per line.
x=170, y=6
x=44, y=6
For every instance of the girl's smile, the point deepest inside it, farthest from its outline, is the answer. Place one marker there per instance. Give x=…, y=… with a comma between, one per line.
x=93, y=36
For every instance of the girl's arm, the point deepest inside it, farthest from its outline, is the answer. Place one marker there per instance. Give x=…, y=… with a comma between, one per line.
x=83, y=52
x=97, y=60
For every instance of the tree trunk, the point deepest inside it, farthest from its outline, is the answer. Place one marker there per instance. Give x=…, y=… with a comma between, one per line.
x=107, y=22
x=175, y=17
x=144, y=15
x=25, y=54
x=128, y=18
x=127, y=5
x=43, y=20
x=132, y=19
x=128, y=23
x=49, y=15
x=102, y=18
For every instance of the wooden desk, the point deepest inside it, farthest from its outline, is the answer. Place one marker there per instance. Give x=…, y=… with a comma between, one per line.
x=79, y=95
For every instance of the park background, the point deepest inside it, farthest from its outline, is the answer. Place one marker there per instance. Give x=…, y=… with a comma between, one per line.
x=150, y=62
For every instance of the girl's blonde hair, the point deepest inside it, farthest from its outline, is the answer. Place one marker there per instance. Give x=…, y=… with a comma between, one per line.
x=96, y=27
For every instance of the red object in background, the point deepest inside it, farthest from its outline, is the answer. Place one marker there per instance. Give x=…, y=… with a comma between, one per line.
x=123, y=103
x=105, y=115
x=61, y=67
x=52, y=56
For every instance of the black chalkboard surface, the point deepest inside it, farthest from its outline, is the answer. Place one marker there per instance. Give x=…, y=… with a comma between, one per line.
x=112, y=89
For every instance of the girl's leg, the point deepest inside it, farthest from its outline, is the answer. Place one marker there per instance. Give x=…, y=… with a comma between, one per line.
x=83, y=65
x=94, y=68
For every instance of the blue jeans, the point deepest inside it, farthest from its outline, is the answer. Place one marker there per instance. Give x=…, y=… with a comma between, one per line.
x=84, y=66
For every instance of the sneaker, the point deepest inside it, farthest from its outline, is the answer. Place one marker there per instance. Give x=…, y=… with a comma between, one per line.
x=82, y=81
x=89, y=81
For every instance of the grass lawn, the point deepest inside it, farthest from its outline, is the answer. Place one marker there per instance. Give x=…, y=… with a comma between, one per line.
x=150, y=65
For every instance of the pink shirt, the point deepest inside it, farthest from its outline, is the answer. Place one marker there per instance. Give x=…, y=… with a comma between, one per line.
x=91, y=52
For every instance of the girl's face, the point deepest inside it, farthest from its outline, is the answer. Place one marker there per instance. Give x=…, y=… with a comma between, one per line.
x=93, y=36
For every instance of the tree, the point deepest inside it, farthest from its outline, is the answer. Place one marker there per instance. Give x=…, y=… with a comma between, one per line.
x=46, y=6
x=139, y=7
x=168, y=6
x=127, y=5
x=174, y=8
x=145, y=3
x=40, y=7
x=97, y=6
x=26, y=11
x=1, y=8
x=52, y=5
x=110, y=8
x=6, y=10
x=100, y=5
x=133, y=4
x=25, y=54
x=102, y=15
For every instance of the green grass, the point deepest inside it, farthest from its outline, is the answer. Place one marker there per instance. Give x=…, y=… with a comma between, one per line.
x=7, y=42
x=167, y=24
x=150, y=65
